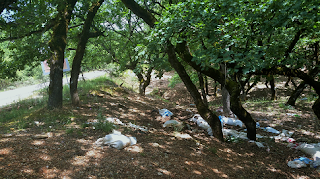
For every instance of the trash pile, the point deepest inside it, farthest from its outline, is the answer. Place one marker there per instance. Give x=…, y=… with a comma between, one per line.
x=116, y=140
x=284, y=136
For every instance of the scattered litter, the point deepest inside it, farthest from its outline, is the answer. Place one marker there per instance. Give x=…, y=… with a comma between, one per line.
x=202, y=123
x=296, y=164
x=219, y=110
x=285, y=136
x=259, y=144
x=292, y=114
x=182, y=136
x=116, y=140
x=173, y=123
x=114, y=120
x=303, y=99
x=165, y=112
x=230, y=121
x=142, y=128
x=312, y=149
x=272, y=130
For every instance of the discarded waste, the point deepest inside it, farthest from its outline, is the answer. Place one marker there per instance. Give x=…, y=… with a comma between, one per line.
x=296, y=164
x=202, y=123
x=272, y=130
x=165, y=112
x=230, y=121
x=173, y=123
x=116, y=140
x=312, y=149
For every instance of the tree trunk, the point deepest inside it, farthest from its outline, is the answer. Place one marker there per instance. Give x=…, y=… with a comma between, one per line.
x=57, y=45
x=204, y=112
x=273, y=90
x=203, y=92
x=296, y=93
x=206, y=84
x=76, y=65
x=225, y=93
x=144, y=83
x=316, y=107
x=231, y=86
x=236, y=107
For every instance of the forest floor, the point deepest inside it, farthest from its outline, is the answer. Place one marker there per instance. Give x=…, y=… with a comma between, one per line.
x=42, y=151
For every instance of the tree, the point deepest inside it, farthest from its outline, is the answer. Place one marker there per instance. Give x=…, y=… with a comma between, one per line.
x=57, y=45
x=76, y=65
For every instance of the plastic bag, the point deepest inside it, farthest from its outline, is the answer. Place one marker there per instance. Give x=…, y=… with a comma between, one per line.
x=173, y=123
x=202, y=123
x=116, y=140
x=230, y=121
x=165, y=112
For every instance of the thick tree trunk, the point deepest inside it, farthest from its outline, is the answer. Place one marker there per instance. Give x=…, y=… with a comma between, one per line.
x=57, y=45
x=144, y=83
x=205, y=113
x=76, y=65
x=296, y=93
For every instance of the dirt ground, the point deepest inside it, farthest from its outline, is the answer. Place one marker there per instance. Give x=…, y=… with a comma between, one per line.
x=161, y=152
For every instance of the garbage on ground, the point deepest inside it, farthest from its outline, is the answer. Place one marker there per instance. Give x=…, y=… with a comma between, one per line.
x=293, y=114
x=303, y=162
x=119, y=122
x=272, y=130
x=296, y=164
x=142, y=128
x=202, y=123
x=165, y=112
x=116, y=140
x=259, y=144
x=285, y=136
x=312, y=149
x=173, y=123
x=230, y=121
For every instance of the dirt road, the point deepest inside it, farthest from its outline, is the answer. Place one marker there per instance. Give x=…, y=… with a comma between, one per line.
x=8, y=97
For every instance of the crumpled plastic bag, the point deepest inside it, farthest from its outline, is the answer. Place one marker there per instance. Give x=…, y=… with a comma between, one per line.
x=296, y=164
x=230, y=121
x=165, y=112
x=116, y=140
x=173, y=123
x=202, y=123
x=312, y=149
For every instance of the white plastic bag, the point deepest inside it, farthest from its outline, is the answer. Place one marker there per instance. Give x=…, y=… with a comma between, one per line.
x=116, y=140
x=312, y=149
x=231, y=121
x=202, y=123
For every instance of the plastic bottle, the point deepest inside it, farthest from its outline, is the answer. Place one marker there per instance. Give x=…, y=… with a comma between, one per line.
x=272, y=130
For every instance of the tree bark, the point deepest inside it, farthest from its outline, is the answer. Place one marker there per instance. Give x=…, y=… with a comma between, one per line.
x=76, y=65
x=203, y=92
x=204, y=112
x=296, y=93
x=144, y=83
x=57, y=45
x=232, y=86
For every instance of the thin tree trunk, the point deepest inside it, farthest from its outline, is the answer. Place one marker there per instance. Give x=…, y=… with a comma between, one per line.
x=201, y=83
x=76, y=65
